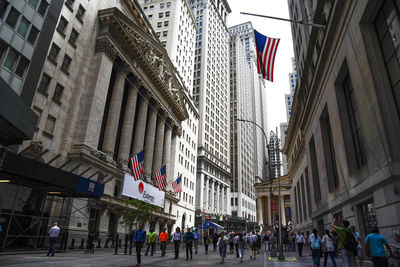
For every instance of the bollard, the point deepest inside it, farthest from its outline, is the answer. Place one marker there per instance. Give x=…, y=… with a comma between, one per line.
x=72, y=244
x=98, y=245
x=82, y=246
x=106, y=245
x=126, y=245
x=120, y=242
x=116, y=246
x=130, y=247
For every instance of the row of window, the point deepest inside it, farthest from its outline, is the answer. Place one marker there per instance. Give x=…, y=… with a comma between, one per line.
x=13, y=61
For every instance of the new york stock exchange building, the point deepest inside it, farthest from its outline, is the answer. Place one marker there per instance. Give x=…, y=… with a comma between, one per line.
x=119, y=95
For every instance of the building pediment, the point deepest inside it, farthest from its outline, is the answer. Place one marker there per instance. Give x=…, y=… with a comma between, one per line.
x=147, y=57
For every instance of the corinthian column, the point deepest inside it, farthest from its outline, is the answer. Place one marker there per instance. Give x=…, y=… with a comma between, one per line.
x=159, y=144
x=149, y=143
x=110, y=134
x=140, y=129
x=167, y=146
x=127, y=126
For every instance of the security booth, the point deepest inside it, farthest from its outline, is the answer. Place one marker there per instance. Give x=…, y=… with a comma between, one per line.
x=34, y=195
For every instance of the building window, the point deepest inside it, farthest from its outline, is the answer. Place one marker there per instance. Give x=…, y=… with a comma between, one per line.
x=80, y=13
x=65, y=64
x=33, y=3
x=329, y=151
x=33, y=35
x=151, y=8
x=167, y=14
x=72, y=38
x=12, y=18
x=160, y=15
x=387, y=25
x=164, y=43
x=159, y=24
x=38, y=113
x=168, y=4
x=3, y=7
x=70, y=4
x=353, y=118
x=44, y=84
x=158, y=34
x=43, y=8
x=49, y=126
x=162, y=5
x=23, y=27
x=22, y=66
x=52, y=57
x=165, y=33
x=314, y=170
x=11, y=59
x=62, y=25
x=166, y=23
x=150, y=17
x=57, y=93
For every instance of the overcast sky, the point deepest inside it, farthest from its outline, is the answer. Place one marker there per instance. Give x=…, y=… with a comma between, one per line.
x=276, y=110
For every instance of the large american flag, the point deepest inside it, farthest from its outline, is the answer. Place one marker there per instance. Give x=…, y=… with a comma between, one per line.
x=161, y=176
x=137, y=165
x=266, y=50
x=177, y=185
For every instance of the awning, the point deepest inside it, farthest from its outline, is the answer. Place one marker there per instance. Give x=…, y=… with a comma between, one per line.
x=208, y=224
x=31, y=172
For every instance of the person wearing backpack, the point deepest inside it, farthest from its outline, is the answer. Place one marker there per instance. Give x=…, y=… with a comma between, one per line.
x=329, y=248
x=347, y=243
x=315, y=245
x=266, y=241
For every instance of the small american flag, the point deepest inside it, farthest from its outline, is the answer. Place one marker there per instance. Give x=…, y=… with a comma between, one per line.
x=177, y=185
x=137, y=165
x=161, y=177
x=266, y=50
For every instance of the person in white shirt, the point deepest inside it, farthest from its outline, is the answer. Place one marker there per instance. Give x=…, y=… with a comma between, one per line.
x=329, y=248
x=53, y=233
x=300, y=242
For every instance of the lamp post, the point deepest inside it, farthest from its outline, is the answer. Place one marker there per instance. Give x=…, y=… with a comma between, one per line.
x=269, y=163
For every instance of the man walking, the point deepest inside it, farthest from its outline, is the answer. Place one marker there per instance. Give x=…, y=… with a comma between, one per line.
x=236, y=243
x=151, y=242
x=300, y=243
x=196, y=240
x=164, y=240
x=346, y=237
x=189, y=237
x=53, y=233
x=139, y=238
x=374, y=243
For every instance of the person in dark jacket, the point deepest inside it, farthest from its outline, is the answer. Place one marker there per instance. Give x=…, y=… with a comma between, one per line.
x=189, y=238
x=139, y=238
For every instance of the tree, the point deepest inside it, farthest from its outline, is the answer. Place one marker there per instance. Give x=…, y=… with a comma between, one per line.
x=140, y=212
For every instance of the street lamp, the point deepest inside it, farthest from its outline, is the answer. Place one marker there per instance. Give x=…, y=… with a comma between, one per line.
x=268, y=162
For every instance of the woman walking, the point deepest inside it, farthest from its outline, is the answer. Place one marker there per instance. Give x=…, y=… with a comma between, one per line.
x=315, y=245
x=242, y=246
x=177, y=238
x=221, y=244
x=329, y=248
x=207, y=240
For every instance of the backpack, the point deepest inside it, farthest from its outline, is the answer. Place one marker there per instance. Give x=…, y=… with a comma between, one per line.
x=350, y=242
x=266, y=238
x=315, y=243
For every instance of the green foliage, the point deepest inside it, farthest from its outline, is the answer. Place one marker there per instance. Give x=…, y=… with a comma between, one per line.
x=141, y=212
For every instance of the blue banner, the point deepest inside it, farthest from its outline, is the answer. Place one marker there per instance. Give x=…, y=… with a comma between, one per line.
x=89, y=186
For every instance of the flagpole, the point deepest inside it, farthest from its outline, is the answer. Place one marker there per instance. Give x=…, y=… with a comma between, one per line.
x=288, y=20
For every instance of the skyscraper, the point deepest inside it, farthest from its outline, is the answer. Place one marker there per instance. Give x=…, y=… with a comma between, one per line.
x=175, y=26
x=248, y=147
x=211, y=93
x=292, y=82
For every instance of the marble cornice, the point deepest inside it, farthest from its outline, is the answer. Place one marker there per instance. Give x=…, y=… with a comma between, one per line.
x=136, y=46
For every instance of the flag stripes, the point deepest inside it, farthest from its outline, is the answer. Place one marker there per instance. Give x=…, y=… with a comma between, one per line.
x=161, y=177
x=137, y=165
x=266, y=51
x=177, y=185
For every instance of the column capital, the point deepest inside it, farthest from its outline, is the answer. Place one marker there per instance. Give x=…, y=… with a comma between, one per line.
x=124, y=68
x=105, y=46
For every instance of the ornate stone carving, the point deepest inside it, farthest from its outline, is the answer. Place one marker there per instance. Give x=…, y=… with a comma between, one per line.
x=105, y=46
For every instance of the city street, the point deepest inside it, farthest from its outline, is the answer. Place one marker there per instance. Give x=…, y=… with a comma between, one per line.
x=106, y=258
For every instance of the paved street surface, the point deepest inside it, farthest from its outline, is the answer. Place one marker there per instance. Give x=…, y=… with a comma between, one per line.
x=106, y=258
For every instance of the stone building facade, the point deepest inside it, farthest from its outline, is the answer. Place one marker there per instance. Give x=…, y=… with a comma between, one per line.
x=342, y=141
x=108, y=90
